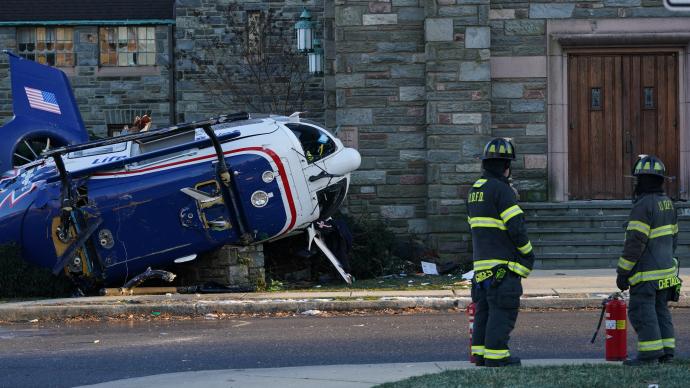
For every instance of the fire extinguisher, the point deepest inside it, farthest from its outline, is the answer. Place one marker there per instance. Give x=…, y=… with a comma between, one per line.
x=471, y=310
x=615, y=310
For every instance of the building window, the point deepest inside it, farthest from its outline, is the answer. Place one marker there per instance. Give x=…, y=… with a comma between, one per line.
x=115, y=129
x=649, y=98
x=596, y=99
x=128, y=46
x=254, y=29
x=47, y=45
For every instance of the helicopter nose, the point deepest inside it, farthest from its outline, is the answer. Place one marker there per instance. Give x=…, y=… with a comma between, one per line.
x=344, y=162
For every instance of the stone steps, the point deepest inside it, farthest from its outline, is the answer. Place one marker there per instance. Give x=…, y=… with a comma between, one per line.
x=594, y=246
x=583, y=244
x=556, y=233
x=587, y=234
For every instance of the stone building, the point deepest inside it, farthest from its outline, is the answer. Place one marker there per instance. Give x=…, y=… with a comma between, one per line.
x=116, y=54
x=418, y=86
x=581, y=86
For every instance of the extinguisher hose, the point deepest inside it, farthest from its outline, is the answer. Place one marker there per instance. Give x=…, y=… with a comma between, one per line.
x=601, y=319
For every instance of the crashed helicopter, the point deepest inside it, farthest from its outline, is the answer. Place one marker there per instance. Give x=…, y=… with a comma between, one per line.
x=104, y=211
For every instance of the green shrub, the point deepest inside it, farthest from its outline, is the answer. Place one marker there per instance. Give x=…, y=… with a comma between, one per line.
x=373, y=254
x=19, y=278
x=372, y=248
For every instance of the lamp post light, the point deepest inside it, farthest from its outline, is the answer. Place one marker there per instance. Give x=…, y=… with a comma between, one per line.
x=305, y=32
x=316, y=59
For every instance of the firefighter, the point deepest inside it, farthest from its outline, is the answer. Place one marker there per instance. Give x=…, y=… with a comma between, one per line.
x=502, y=256
x=648, y=266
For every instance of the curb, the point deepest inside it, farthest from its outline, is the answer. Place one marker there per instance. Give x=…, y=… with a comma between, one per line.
x=25, y=311
x=316, y=376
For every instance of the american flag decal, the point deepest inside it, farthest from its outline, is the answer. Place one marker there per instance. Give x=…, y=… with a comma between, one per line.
x=39, y=99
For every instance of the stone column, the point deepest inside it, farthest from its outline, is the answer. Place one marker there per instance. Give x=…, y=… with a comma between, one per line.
x=229, y=265
x=380, y=97
x=329, y=65
x=458, y=86
x=8, y=40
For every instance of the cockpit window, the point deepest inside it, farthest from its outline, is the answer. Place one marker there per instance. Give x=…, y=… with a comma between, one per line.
x=315, y=142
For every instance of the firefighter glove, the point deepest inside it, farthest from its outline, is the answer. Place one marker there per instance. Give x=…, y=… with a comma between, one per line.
x=501, y=272
x=622, y=282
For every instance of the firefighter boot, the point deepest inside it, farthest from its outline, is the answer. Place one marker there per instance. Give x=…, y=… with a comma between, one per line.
x=666, y=359
x=479, y=360
x=508, y=361
x=641, y=362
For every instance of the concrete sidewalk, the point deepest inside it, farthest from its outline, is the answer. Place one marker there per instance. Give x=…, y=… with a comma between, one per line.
x=331, y=376
x=543, y=289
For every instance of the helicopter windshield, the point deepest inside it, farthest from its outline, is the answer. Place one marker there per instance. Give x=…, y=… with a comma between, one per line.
x=316, y=143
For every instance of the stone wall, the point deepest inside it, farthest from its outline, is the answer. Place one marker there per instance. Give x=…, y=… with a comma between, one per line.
x=381, y=95
x=200, y=21
x=235, y=266
x=8, y=38
x=105, y=95
x=458, y=79
x=518, y=33
x=484, y=69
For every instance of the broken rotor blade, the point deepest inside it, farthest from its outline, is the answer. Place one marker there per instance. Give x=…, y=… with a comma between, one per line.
x=311, y=233
x=185, y=259
x=334, y=260
x=202, y=197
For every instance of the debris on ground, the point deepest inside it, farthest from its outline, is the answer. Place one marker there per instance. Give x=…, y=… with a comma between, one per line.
x=429, y=268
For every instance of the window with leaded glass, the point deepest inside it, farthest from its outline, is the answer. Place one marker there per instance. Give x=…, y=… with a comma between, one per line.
x=254, y=28
x=47, y=45
x=128, y=46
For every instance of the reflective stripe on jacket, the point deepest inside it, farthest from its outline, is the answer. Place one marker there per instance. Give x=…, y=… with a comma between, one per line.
x=499, y=236
x=650, y=240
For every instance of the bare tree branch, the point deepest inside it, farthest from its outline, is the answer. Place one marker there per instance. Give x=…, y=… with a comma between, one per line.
x=260, y=73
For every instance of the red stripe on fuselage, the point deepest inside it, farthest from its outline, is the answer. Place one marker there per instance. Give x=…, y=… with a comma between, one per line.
x=283, y=177
x=273, y=155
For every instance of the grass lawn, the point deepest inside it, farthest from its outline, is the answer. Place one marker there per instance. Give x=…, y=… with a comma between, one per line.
x=618, y=376
x=395, y=282
x=13, y=300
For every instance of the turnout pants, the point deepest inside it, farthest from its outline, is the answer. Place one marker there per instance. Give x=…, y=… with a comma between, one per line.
x=495, y=316
x=651, y=319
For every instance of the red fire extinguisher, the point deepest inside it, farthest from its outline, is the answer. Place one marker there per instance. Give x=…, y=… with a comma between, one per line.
x=615, y=310
x=471, y=310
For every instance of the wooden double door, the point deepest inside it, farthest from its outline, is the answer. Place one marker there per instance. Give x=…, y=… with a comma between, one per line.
x=620, y=105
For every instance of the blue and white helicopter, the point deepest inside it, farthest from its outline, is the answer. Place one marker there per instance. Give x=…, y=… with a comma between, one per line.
x=102, y=212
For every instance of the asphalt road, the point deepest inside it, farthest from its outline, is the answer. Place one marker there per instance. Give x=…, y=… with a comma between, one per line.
x=65, y=355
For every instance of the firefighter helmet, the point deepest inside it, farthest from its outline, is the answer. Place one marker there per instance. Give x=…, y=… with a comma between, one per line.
x=649, y=165
x=499, y=148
